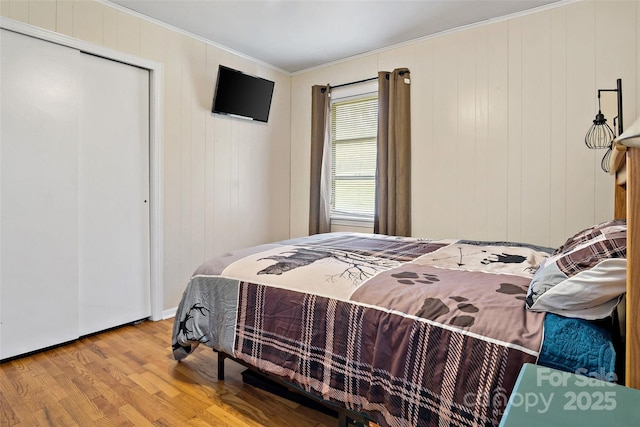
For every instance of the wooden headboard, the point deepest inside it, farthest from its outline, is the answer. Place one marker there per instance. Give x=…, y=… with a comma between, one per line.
x=627, y=205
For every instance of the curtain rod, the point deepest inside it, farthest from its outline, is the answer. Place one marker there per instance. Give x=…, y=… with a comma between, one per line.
x=354, y=83
x=363, y=81
x=359, y=81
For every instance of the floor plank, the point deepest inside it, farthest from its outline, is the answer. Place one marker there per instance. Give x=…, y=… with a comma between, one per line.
x=128, y=377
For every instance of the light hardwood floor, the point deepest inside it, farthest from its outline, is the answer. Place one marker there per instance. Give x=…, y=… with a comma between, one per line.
x=128, y=377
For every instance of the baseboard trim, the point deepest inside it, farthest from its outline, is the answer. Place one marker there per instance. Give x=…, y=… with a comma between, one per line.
x=168, y=314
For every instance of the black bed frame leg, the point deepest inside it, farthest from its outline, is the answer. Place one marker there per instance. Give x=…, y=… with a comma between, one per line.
x=342, y=419
x=221, y=357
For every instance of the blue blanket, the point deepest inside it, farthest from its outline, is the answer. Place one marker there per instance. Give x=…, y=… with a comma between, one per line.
x=578, y=346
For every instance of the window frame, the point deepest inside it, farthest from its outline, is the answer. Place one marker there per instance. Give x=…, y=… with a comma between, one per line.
x=346, y=94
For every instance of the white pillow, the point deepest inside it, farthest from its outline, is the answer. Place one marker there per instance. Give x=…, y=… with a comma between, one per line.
x=584, y=278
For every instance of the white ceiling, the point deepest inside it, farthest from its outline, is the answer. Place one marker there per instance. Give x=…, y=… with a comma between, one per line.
x=295, y=35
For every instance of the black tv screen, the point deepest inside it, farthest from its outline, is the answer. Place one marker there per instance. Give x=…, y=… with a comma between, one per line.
x=240, y=94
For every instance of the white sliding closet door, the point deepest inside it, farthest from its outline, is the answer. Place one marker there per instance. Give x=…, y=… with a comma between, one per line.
x=113, y=195
x=38, y=194
x=74, y=194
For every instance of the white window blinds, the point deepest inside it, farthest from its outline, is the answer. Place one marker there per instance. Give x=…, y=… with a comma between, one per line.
x=354, y=126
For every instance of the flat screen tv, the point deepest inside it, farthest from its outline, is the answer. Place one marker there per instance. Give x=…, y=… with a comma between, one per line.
x=242, y=95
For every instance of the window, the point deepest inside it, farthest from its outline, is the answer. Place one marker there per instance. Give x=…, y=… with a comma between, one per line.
x=354, y=127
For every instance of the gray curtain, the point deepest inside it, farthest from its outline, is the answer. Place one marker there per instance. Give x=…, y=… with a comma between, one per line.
x=393, y=169
x=320, y=185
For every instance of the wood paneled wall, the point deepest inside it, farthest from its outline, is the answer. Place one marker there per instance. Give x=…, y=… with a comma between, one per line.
x=499, y=114
x=226, y=181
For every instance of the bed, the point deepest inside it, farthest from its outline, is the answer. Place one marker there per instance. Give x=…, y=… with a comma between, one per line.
x=420, y=332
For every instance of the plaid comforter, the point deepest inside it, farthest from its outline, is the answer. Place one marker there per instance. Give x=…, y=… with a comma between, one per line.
x=412, y=332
